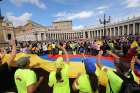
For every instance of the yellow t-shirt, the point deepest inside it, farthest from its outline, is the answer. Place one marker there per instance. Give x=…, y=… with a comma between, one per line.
x=134, y=44
x=102, y=77
x=49, y=47
x=115, y=82
x=24, y=78
x=84, y=84
x=60, y=87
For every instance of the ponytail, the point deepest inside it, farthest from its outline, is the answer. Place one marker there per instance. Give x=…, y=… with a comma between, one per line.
x=94, y=82
x=59, y=75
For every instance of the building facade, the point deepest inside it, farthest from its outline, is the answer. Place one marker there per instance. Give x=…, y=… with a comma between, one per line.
x=63, y=31
x=65, y=25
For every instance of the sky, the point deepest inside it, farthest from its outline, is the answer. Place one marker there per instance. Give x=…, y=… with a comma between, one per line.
x=81, y=12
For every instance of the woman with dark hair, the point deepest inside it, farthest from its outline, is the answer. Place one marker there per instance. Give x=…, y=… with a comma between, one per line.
x=123, y=69
x=87, y=82
x=59, y=79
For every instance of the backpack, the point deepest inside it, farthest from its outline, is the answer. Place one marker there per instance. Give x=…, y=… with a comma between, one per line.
x=128, y=85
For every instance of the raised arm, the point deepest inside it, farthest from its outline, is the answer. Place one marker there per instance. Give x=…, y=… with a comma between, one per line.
x=31, y=88
x=13, y=55
x=65, y=52
x=112, y=54
x=133, y=61
x=2, y=53
x=99, y=64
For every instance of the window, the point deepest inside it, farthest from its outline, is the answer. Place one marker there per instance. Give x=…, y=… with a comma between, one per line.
x=9, y=36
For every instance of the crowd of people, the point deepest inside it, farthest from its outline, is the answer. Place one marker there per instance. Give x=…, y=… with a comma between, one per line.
x=125, y=51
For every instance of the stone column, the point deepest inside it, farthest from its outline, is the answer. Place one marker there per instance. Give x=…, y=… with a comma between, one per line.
x=73, y=36
x=56, y=36
x=115, y=31
x=88, y=34
x=69, y=35
x=59, y=36
x=103, y=33
x=47, y=35
x=139, y=28
x=106, y=32
x=112, y=32
x=123, y=30
x=93, y=34
x=100, y=33
x=66, y=35
x=128, y=30
x=53, y=36
x=118, y=31
x=44, y=35
x=134, y=29
x=109, y=32
x=84, y=36
x=97, y=33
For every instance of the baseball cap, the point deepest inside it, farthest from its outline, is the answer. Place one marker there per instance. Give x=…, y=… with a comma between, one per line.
x=59, y=62
x=90, y=66
x=22, y=62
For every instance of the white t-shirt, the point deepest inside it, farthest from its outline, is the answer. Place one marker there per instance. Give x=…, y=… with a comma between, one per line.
x=44, y=47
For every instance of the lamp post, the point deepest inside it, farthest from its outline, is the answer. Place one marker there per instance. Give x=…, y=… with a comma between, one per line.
x=104, y=22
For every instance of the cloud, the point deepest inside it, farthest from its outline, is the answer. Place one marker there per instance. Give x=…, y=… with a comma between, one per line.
x=132, y=3
x=102, y=7
x=20, y=20
x=67, y=2
x=124, y=17
x=72, y=16
x=101, y=12
x=37, y=3
x=78, y=27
